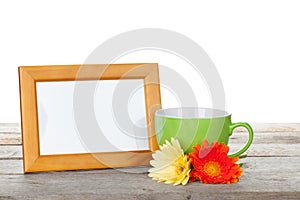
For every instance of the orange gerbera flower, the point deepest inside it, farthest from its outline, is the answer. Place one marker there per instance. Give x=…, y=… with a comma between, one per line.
x=212, y=164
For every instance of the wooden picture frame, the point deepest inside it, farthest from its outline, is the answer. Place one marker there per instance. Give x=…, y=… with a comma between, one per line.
x=30, y=75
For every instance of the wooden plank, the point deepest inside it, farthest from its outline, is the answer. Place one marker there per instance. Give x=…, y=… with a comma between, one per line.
x=11, y=138
x=174, y=195
x=278, y=144
x=272, y=173
x=272, y=127
x=11, y=152
x=267, y=138
x=237, y=137
x=271, y=178
x=11, y=167
x=254, y=163
x=257, y=127
x=268, y=144
x=256, y=150
x=10, y=133
x=10, y=128
x=15, y=167
x=270, y=150
x=276, y=127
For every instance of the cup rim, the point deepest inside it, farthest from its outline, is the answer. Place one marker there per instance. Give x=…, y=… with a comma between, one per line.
x=192, y=113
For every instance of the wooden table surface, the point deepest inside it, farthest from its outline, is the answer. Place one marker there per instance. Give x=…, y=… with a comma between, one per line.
x=271, y=171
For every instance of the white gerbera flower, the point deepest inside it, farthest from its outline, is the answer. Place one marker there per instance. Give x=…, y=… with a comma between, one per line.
x=170, y=164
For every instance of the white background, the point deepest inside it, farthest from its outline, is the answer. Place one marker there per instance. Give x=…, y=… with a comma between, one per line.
x=254, y=44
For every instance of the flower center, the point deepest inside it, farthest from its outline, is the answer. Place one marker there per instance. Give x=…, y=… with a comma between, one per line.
x=212, y=168
x=179, y=165
x=179, y=169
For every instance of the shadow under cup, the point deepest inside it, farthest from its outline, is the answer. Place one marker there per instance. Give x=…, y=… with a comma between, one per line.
x=193, y=125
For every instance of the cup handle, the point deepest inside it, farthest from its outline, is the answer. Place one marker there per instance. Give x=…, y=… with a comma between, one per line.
x=250, y=131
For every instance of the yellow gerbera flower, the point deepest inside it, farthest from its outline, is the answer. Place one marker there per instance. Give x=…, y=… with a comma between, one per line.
x=170, y=164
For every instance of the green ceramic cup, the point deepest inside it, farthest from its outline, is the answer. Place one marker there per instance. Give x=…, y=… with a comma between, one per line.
x=193, y=125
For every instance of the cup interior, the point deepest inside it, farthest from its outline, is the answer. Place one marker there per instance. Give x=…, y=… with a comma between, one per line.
x=191, y=113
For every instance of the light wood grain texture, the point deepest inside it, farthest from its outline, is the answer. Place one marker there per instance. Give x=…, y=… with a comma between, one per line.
x=10, y=138
x=267, y=137
x=270, y=150
x=10, y=128
x=11, y=152
x=256, y=150
x=278, y=144
x=257, y=127
x=273, y=127
x=271, y=172
x=28, y=103
x=11, y=167
x=262, y=178
x=29, y=75
x=278, y=136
